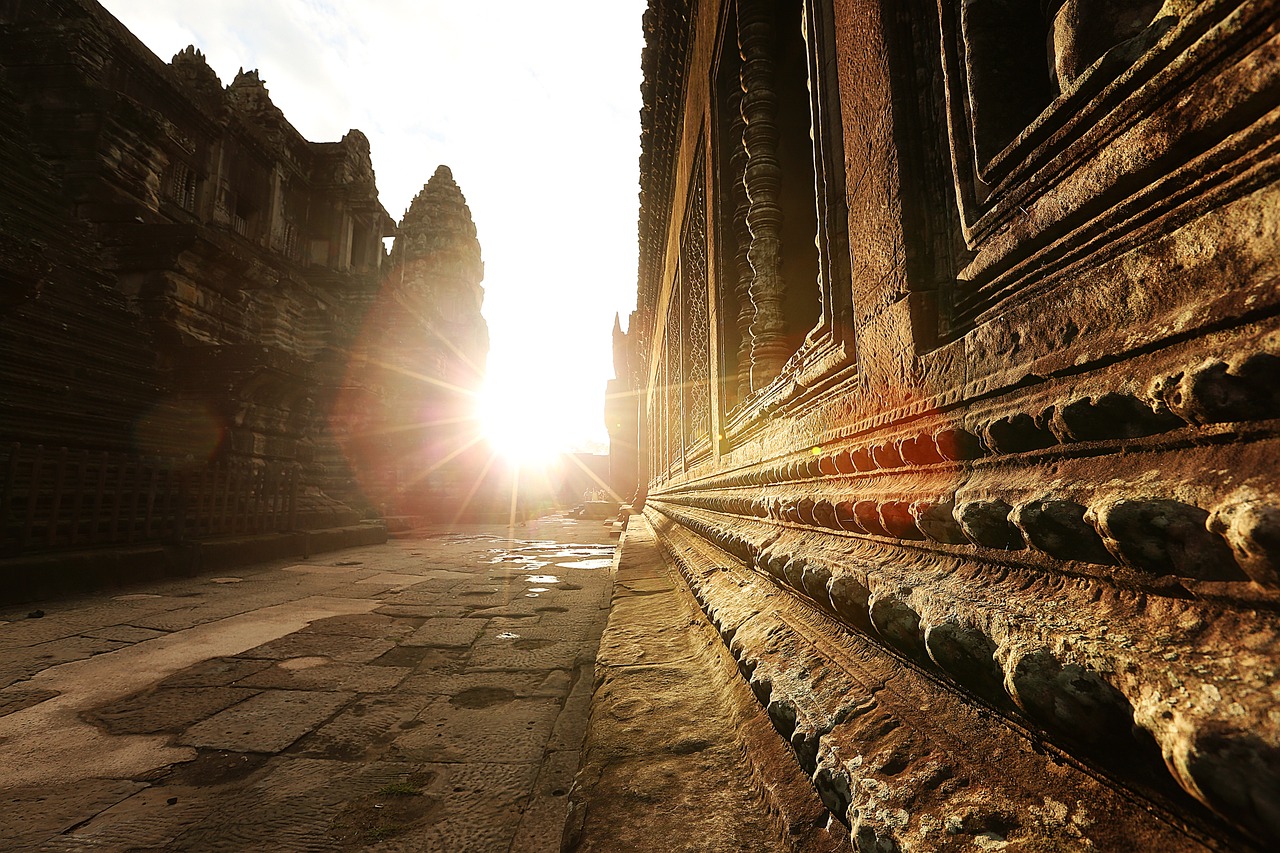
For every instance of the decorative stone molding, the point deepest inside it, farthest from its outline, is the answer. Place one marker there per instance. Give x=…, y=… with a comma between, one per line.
x=858, y=729
x=741, y=272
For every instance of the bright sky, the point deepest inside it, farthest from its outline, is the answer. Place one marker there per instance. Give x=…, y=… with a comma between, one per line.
x=534, y=106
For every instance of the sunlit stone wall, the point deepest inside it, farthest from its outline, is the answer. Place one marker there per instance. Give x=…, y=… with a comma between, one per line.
x=982, y=298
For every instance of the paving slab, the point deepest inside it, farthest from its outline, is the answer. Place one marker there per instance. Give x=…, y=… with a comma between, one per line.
x=429, y=694
x=266, y=722
x=445, y=633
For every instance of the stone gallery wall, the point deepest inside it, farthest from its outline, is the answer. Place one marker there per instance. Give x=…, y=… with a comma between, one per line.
x=188, y=282
x=958, y=337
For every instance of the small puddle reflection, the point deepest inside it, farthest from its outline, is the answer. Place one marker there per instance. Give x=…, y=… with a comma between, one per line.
x=542, y=579
x=507, y=635
x=587, y=564
x=538, y=589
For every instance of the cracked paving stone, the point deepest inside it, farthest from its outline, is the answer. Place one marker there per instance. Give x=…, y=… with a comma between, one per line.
x=30, y=816
x=364, y=728
x=268, y=722
x=489, y=724
x=19, y=696
x=215, y=672
x=445, y=633
x=345, y=649
x=368, y=625
x=165, y=710
x=321, y=673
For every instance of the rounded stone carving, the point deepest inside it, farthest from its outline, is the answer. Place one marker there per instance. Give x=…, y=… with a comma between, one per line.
x=1252, y=530
x=1109, y=416
x=1017, y=434
x=867, y=516
x=1058, y=529
x=987, y=523
x=847, y=518
x=774, y=564
x=1071, y=699
x=824, y=513
x=886, y=455
x=804, y=511
x=936, y=520
x=1164, y=537
x=958, y=445
x=1233, y=772
x=1082, y=31
x=832, y=783
x=897, y=520
x=966, y=654
x=919, y=450
x=793, y=571
x=861, y=459
x=814, y=580
x=849, y=598
x=791, y=510
x=1213, y=392
x=899, y=624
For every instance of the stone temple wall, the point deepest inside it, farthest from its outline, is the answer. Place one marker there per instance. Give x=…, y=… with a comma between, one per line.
x=958, y=342
x=189, y=284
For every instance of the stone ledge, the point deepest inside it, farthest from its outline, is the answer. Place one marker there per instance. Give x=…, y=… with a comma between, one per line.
x=43, y=575
x=671, y=723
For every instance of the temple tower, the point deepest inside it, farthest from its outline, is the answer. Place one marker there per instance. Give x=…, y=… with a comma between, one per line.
x=411, y=400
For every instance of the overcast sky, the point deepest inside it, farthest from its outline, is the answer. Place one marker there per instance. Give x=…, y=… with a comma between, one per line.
x=533, y=105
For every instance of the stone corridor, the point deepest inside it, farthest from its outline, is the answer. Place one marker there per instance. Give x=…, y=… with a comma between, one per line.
x=427, y=694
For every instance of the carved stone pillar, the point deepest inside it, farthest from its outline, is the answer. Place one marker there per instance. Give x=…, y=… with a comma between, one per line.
x=757, y=40
x=742, y=241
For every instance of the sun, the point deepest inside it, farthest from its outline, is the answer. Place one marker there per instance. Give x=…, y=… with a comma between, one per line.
x=514, y=418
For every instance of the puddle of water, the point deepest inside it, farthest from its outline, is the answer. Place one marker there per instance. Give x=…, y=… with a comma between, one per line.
x=530, y=595
x=538, y=589
x=507, y=635
x=225, y=580
x=587, y=564
x=542, y=579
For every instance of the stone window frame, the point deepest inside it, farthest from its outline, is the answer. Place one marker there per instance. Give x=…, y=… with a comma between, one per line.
x=182, y=184
x=828, y=348
x=1006, y=204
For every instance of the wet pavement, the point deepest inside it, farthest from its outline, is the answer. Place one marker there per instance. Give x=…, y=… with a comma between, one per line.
x=428, y=694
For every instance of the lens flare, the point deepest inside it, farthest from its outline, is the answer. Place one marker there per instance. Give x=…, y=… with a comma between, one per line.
x=514, y=417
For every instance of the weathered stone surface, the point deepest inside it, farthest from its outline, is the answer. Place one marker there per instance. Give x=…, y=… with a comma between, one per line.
x=267, y=722
x=301, y=750
x=669, y=721
x=166, y=710
x=1028, y=446
x=445, y=633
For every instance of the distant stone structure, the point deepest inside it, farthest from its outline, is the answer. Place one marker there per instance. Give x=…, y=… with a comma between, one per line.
x=959, y=359
x=406, y=412
x=200, y=330
x=621, y=417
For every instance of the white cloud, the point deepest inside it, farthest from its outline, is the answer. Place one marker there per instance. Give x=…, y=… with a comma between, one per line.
x=533, y=106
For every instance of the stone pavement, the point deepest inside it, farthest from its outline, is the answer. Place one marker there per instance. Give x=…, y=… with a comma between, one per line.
x=429, y=694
